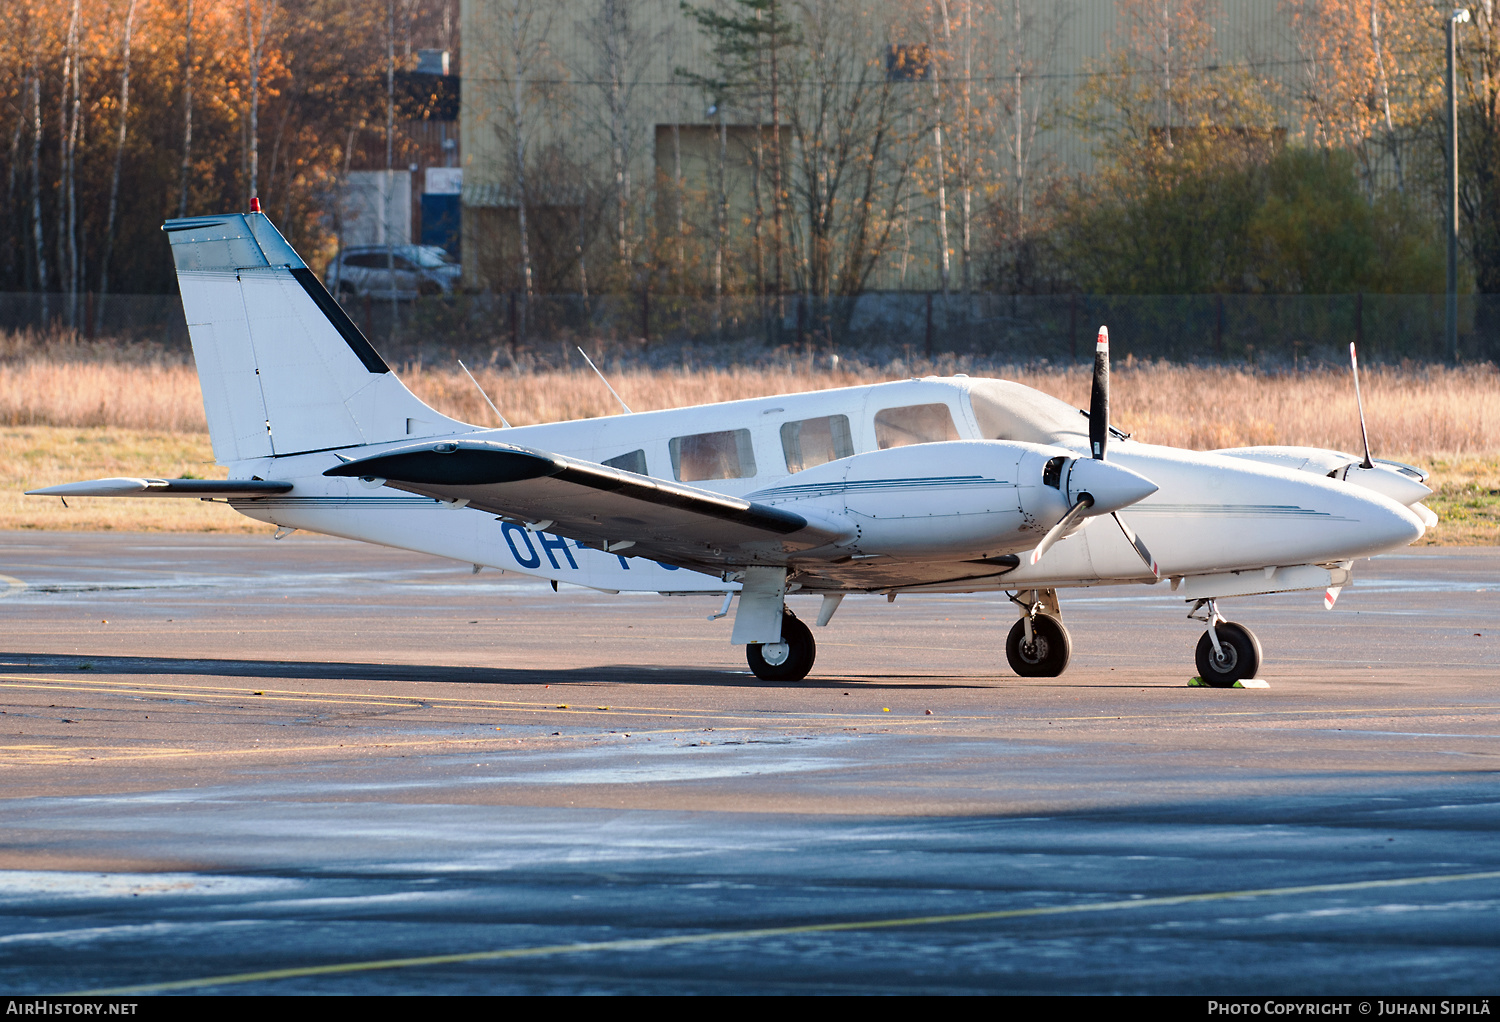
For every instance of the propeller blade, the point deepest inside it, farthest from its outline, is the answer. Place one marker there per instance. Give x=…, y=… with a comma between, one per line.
x=1140, y=548
x=1099, y=399
x=1056, y=532
x=1330, y=596
x=1354, y=364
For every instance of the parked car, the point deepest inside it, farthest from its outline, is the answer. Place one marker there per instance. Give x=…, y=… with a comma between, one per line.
x=403, y=271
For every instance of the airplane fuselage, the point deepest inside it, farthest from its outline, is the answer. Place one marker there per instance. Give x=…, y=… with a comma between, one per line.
x=933, y=485
x=918, y=502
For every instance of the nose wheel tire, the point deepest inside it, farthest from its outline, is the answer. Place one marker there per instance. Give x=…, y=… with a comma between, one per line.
x=1239, y=656
x=788, y=660
x=1046, y=656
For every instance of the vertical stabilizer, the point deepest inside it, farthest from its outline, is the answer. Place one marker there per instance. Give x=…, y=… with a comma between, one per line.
x=283, y=368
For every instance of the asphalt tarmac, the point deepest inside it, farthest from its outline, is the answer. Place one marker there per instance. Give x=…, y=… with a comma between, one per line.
x=244, y=766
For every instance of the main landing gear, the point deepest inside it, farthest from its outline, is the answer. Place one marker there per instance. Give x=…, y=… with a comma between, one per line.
x=1227, y=652
x=1038, y=645
x=788, y=660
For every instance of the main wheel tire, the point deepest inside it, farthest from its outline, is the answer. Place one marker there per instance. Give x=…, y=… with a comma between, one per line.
x=1046, y=656
x=1241, y=655
x=791, y=663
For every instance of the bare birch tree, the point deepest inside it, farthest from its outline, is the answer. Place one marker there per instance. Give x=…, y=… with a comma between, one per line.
x=187, y=109
x=1392, y=143
x=390, y=159
x=36, y=170
x=621, y=47
x=114, y=180
x=255, y=39
x=12, y=39
x=943, y=43
x=1032, y=34
x=966, y=150
x=67, y=196
x=844, y=114
x=521, y=63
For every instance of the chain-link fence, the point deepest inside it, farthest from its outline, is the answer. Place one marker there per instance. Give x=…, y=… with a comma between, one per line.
x=651, y=329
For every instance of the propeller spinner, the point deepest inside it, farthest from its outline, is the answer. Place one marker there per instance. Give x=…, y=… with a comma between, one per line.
x=1105, y=488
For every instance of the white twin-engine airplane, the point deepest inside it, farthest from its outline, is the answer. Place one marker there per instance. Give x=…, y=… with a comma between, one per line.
x=937, y=485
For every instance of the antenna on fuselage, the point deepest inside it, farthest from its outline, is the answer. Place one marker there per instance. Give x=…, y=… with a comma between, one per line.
x=483, y=394
x=604, y=381
x=1360, y=402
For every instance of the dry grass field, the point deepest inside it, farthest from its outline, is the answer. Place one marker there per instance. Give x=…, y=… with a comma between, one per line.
x=88, y=416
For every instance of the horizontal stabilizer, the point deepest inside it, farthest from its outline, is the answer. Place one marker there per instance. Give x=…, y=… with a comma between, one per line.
x=125, y=486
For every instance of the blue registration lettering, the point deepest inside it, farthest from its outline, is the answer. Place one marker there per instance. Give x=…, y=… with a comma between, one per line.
x=669, y=567
x=532, y=559
x=551, y=543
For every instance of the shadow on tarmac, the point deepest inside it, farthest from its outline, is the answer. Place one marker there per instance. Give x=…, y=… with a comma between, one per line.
x=86, y=664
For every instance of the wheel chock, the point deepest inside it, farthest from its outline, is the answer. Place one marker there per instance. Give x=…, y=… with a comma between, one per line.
x=1196, y=682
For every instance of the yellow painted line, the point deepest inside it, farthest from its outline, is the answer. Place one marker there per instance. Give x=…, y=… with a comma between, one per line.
x=102, y=686
x=409, y=702
x=652, y=943
x=12, y=586
x=38, y=753
x=65, y=756
x=59, y=685
x=416, y=703
x=269, y=749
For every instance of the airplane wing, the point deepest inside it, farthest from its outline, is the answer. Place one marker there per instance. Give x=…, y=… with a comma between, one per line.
x=125, y=486
x=600, y=506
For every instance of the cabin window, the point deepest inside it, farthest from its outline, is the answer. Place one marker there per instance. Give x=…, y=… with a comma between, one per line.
x=914, y=424
x=726, y=455
x=635, y=461
x=810, y=442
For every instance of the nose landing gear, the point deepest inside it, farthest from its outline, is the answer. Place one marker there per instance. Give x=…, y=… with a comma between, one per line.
x=1227, y=652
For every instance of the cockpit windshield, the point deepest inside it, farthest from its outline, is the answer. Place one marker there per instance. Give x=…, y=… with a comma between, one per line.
x=1009, y=411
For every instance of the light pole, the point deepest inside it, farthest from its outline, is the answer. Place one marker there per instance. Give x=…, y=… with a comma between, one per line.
x=1458, y=17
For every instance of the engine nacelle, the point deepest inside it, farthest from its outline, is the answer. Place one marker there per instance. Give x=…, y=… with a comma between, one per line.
x=1401, y=483
x=965, y=499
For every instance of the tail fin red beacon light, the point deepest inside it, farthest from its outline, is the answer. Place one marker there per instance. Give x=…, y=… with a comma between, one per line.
x=255, y=204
